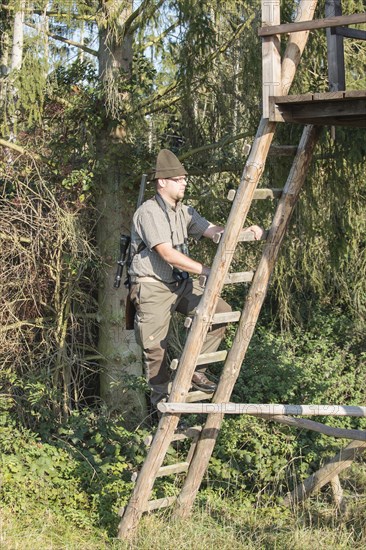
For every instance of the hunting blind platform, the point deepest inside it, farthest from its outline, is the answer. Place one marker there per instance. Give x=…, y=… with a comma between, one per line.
x=337, y=107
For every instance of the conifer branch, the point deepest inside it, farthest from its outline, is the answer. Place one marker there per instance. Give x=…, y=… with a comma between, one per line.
x=156, y=39
x=150, y=11
x=210, y=146
x=52, y=13
x=65, y=40
x=174, y=84
x=233, y=37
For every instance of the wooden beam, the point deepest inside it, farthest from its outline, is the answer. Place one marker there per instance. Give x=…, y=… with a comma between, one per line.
x=259, y=194
x=349, y=33
x=326, y=96
x=337, y=113
x=335, y=50
x=337, y=491
x=262, y=409
x=285, y=28
x=317, y=480
x=271, y=57
x=306, y=424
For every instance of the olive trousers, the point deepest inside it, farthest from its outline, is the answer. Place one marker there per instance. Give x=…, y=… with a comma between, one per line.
x=155, y=303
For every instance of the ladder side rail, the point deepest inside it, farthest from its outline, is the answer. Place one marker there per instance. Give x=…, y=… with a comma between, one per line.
x=248, y=319
x=207, y=306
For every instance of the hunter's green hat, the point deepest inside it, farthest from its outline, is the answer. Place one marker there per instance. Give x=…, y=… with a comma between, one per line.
x=168, y=166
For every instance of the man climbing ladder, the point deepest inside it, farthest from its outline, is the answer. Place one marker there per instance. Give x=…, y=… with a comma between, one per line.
x=159, y=273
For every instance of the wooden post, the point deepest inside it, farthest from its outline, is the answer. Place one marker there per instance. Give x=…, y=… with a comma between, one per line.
x=271, y=56
x=317, y=480
x=337, y=491
x=335, y=50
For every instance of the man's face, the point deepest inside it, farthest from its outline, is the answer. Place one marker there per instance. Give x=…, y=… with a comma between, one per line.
x=175, y=187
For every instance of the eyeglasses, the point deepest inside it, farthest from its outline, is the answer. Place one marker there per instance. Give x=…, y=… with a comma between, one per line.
x=181, y=178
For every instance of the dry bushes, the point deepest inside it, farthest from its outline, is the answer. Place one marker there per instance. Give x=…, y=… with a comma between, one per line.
x=48, y=311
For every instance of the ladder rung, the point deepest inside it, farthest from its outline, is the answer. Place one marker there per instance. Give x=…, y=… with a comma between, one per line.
x=166, y=470
x=187, y=433
x=226, y=317
x=259, y=194
x=248, y=236
x=244, y=277
x=154, y=504
x=244, y=236
x=213, y=357
x=283, y=150
x=194, y=396
x=172, y=469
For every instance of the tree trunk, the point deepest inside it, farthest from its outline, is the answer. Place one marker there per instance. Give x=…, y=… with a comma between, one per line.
x=18, y=38
x=122, y=356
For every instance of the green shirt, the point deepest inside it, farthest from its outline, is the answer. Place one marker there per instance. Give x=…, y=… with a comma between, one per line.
x=157, y=222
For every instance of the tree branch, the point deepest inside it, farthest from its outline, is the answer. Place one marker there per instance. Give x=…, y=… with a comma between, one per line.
x=65, y=40
x=40, y=322
x=19, y=149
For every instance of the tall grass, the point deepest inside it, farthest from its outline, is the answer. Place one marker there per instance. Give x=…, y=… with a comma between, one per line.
x=217, y=524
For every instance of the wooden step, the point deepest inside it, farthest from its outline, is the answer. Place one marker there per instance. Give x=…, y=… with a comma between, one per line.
x=194, y=396
x=173, y=469
x=154, y=504
x=226, y=317
x=166, y=470
x=231, y=278
x=180, y=435
x=244, y=236
x=248, y=236
x=244, y=277
x=213, y=357
x=259, y=194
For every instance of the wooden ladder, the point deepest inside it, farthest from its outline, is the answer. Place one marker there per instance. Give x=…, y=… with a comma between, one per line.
x=203, y=438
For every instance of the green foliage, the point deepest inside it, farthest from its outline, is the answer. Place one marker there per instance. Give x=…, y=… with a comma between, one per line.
x=81, y=471
x=81, y=468
x=324, y=364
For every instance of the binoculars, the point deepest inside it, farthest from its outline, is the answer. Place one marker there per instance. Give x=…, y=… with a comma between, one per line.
x=178, y=274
